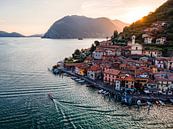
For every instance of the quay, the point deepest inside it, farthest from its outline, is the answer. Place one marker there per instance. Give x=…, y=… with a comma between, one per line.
x=119, y=95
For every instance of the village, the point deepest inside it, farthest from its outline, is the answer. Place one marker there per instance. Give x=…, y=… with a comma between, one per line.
x=129, y=67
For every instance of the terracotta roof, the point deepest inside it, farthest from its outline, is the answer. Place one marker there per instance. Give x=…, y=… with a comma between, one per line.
x=112, y=71
x=94, y=68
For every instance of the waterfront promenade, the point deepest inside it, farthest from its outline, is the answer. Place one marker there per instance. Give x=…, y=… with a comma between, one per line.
x=134, y=96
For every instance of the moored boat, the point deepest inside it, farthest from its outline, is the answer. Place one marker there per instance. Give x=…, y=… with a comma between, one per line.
x=81, y=81
x=100, y=91
x=162, y=103
x=171, y=100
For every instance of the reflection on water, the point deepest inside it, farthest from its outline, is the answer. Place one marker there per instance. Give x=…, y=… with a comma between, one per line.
x=25, y=83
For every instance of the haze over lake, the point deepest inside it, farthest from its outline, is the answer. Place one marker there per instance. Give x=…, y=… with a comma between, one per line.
x=25, y=83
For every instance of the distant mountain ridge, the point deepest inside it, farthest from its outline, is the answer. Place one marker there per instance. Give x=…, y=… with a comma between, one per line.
x=13, y=34
x=83, y=27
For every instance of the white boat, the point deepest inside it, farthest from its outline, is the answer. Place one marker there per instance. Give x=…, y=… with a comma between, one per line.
x=73, y=78
x=104, y=92
x=81, y=81
x=171, y=100
x=77, y=79
x=162, y=103
x=100, y=91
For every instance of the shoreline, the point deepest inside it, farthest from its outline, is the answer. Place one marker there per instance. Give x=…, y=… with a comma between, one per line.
x=121, y=96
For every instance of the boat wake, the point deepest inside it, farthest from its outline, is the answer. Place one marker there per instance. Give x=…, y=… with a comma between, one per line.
x=60, y=108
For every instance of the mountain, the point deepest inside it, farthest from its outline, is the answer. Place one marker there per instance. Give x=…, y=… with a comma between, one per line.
x=35, y=35
x=81, y=27
x=13, y=34
x=119, y=25
x=163, y=14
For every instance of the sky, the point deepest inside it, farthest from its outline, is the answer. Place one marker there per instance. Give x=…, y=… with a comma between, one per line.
x=36, y=16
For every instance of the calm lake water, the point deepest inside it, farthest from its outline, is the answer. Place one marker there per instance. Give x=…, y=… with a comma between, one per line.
x=25, y=83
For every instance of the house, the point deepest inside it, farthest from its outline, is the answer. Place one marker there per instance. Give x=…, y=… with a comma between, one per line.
x=81, y=69
x=110, y=75
x=126, y=51
x=136, y=48
x=97, y=54
x=160, y=62
x=163, y=80
x=117, y=84
x=94, y=72
x=88, y=60
x=127, y=80
x=170, y=63
x=147, y=39
x=153, y=69
x=106, y=43
x=161, y=40
x=152, y=53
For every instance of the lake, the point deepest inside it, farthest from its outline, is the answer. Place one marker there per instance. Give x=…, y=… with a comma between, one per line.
x=25, y=83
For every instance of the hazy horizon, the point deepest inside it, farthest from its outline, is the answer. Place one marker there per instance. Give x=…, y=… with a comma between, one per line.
x=35, y=17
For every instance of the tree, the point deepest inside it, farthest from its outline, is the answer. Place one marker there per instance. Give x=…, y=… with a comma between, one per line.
x=93, y=48
x=96, y=43
x=115, y=35
x=77, y=52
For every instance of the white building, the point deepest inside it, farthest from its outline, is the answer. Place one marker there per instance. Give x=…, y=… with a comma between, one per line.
x=94, y=72
x=98, y=54
x=117, y=85
x=136, y=48
x=170, y=63
x=161, y=40
x=152, y=53
x=160, y=62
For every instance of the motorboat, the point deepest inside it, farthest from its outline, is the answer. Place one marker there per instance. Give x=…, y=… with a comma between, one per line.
x=73, y=78
x=100, y=91
x=50, y=96
x=162, y=103
x=81, y=81
x=171, y=100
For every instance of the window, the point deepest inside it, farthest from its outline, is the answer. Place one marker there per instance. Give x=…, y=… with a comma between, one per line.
x=136, y=48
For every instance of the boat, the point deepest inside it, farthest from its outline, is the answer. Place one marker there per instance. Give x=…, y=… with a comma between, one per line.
x=56, y=71
x=171, y=100
x=81, y=81
x=162, y=103
x=107, y=93
x=100, y=91
x=50, y=96
x=49, y=69
x=104, y=92
x=80, y=38
x=73, y=78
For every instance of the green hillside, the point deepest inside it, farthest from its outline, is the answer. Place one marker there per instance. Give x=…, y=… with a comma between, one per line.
x=163, y=14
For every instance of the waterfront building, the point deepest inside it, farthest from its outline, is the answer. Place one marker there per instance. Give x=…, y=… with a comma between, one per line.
x=110, y=75
x=170, y=63
x=94, y=72
x=127, y=80
x=81, y=69
x=163, y=80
